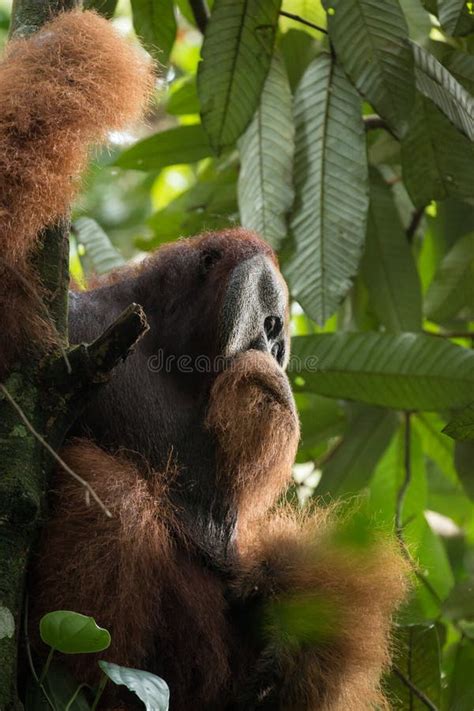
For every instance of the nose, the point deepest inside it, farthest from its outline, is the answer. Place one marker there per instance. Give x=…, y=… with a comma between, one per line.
x=254, y=308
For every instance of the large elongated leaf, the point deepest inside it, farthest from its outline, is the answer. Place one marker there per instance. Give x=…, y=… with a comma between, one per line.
x=149, y=688
x=388, y=266
x=236, y=56
x=266, y=154
x=330, y=212
x=99, y=249
x=455, y=18
x=184, y=144
x=155, y=23
x=368, y=435
x=370, y=41
x=436, y=83
x=417, y=662
x=409, y=371
x=461, y=427
x=437, y=160
x=452, y=289
x=461, y=66
x=310, y=10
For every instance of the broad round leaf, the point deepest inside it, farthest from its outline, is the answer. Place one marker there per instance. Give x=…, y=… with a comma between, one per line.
x=236, y=56
x=370, y=41
x=407, y=372
x=266, y=155
x=330, y=211
x=149, y=688
x=73, y=633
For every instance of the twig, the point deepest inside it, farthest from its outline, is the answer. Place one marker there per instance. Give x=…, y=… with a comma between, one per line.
x=416, y=218
x=451, y=334
x=54, y=454
x=374, y=121
x=402, y=492
x=418, y=693
x=297, y=18
x=201, y=13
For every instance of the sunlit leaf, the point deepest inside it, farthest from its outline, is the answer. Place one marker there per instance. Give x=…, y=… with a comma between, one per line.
x=452, y=289
x=73, y=633
x=388, y=264
x=149, y=688
x=437, y=160
x=310, y=10
x=266, y=155
x=436, y=83
x=99, y=250
x=455, y=17
x=155, y=24
x=418, y=20
x=370, y=41
x=330, y=211
x=184, y=144
x=408, y=371
x=236, y=56
x=183, y=98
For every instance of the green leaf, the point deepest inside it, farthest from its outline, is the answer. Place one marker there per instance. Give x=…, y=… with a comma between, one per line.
x=451, y=292
x=330, y=211
x=461, y=427
x=320, y=417
x=298, y=49
x=99, y=249
x=460, y=603
x=236, y=56
x=155, y=24
x=60, y=686
x=417, y=660
x=183, y=98
x=388, y=263
x=407, y=372
x=461, y=65
x=73, y=633
x=350, y=468
x=184, y=144
x=370, y=41
x=436, y=83
x=149, y=688
x=464, y=462
x=105, y=7
x=418, y=20
x=461, y=688
x=437, y=160
x=310, y=10
x=266, y=154
x=455, y=17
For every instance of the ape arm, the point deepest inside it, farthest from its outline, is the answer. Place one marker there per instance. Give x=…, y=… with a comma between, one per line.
x=324, y=610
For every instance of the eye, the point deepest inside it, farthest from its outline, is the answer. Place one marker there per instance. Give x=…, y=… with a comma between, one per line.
x=208, y=259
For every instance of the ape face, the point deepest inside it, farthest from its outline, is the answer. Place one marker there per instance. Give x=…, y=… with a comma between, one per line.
x=217, y=295
x=205, y=390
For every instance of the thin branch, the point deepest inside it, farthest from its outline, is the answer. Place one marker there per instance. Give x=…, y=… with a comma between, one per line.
x=51, y=451
x=451, y=334
x=415, y=690
x=201, y=13
x=416, y=218
x=402, y=492
x=297, y=18
x=373, y=121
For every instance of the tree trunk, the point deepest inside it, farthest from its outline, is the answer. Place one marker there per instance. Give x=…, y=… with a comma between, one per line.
x=38, y=404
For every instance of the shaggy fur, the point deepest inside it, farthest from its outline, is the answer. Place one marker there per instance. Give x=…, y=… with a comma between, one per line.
x=219, y=637
x=61, y=90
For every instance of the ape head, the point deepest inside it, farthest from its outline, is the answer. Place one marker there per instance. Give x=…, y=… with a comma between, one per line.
x=205, y=390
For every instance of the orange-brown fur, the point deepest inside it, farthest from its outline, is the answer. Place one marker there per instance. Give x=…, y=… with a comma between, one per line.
x=61, y=90
x=140, y=576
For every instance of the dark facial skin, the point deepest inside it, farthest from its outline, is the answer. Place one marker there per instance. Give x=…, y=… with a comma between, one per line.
x=215, y=296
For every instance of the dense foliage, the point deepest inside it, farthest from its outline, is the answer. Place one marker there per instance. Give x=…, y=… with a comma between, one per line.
x=344, y=136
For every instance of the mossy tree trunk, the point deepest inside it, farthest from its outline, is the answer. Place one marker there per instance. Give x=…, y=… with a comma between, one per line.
x=39, y=402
